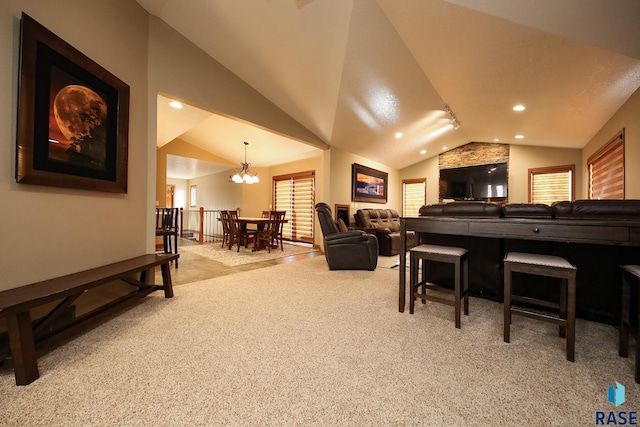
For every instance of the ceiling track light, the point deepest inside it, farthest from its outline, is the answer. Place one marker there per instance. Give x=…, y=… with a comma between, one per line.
x=244, y=176
x=454, y=119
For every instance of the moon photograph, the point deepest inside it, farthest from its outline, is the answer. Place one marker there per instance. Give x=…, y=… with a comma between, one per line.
x=77, y=124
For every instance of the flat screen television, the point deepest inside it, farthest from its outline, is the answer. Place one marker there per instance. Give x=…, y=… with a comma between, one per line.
x=483, y=182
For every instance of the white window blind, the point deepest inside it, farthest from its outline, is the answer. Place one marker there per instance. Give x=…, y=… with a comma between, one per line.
x=414, y=196
x=295, y=194
x=552, y=184
x=606, y=170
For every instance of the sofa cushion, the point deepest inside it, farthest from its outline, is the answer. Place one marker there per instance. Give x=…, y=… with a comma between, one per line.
x=598, y=209
x=464, y=209
x=527, y=210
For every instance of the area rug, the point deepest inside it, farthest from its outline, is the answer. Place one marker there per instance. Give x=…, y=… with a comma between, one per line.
x=232, y=257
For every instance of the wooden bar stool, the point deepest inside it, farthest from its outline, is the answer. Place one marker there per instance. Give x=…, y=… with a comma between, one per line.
x=550, y=266
x=630, y=276
x=447, y=254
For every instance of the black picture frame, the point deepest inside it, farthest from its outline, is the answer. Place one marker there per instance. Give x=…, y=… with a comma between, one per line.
x=73, y=116
x=368, y=184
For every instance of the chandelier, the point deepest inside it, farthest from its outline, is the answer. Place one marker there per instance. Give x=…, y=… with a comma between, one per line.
x=244, y=176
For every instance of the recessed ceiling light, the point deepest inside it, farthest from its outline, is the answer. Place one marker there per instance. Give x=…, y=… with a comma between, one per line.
x=175, y=104
x=423, y=151
x=444, y=148
x=518, y=108
x=496, y=139
x=519, y=136
x=398, y=135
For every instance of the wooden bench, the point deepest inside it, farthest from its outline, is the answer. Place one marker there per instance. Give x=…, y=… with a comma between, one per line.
x=16, y=303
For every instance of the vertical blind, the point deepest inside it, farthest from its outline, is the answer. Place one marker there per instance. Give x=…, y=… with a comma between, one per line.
x=606, y=170
x=414, y=196
x=549, y=185
x=295, y=194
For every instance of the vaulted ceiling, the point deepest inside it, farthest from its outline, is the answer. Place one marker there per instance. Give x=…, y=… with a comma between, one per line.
x=355, y=72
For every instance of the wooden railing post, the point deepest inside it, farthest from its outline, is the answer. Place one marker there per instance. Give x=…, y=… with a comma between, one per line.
x=201, y=234
x=181, y=222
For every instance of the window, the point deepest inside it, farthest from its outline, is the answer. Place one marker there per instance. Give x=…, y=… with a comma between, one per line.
x=295, y=193
x=193, y=193
x=551, y=184
x=414, y=195
x=606, y=170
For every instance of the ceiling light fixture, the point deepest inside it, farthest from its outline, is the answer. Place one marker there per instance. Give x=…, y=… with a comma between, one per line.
x=244, y=175
x=423, y=151
x=519, y=108
x=519, y=136
x=175, y=104
x=454, y=119
x=398, y=135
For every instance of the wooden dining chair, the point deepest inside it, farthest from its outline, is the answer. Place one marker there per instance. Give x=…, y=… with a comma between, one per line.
x=268, y=232
x=224, y=218
x=167, y=220
x=277, y=236
x=238, y=235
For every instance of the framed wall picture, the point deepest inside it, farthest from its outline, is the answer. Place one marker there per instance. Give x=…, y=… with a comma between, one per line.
x=73, y=116
x=368, y=185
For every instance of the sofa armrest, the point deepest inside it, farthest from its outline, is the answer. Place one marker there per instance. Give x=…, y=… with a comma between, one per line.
x=354, y=236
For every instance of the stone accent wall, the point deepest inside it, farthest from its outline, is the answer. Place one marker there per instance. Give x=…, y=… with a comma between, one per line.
x=474, y=154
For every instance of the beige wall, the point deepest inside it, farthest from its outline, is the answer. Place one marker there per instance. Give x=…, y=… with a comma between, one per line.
x=627, y=117
x=522, y=158
x=426, y=169
x=339, y=182
x=46, y=231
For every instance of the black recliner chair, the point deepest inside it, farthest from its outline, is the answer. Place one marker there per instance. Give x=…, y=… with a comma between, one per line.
x=351, y=250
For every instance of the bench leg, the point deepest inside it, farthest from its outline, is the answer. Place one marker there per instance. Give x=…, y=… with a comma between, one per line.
x=166, y=280
x=23, y=349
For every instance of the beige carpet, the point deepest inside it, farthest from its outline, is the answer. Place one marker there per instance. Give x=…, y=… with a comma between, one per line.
x=296, y=344
x=233, y=258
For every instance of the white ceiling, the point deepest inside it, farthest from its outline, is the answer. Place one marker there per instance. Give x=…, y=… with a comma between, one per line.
x=224, y=137
x=354, y=72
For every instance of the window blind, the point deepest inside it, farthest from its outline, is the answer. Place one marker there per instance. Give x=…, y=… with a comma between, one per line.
x=295, y=194
x=414, y=196
x=606, y=170
x=549, y=185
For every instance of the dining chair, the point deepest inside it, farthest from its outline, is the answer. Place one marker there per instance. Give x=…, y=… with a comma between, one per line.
x=238, y=235
x=167, y=228
x=277, y=235
x=267, y=233
x=224, y=218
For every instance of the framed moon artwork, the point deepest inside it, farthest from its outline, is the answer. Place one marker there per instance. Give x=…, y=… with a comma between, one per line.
x=73, y=117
